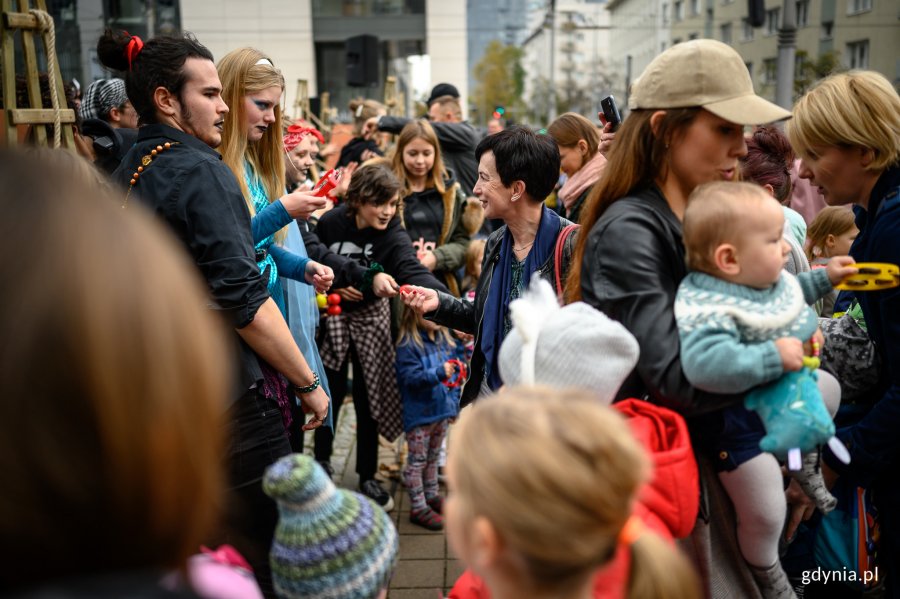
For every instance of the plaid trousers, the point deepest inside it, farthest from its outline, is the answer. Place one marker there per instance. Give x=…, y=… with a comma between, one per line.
x=370, y=329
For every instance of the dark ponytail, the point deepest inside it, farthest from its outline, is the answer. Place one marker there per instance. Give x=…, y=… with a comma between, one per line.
x=160, y=63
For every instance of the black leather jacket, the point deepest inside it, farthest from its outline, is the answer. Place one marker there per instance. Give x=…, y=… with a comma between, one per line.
x=466, y=316
x=633, y=262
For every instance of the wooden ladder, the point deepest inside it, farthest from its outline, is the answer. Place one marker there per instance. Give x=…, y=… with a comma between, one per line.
x=22, y=123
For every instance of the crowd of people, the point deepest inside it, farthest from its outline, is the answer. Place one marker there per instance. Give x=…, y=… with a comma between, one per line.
x=647, y=363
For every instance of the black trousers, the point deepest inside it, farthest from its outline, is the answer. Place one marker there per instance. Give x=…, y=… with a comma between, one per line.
x=257, y=440
x=366, y=427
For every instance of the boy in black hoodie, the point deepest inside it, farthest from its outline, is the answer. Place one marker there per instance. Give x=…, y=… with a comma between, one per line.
x=366, y=228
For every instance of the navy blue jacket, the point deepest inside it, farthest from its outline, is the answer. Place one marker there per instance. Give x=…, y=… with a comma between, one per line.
x=420, y=375
x=873, y=442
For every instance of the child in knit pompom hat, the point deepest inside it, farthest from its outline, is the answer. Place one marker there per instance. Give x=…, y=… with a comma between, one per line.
x=330, y=543
x=742, y=321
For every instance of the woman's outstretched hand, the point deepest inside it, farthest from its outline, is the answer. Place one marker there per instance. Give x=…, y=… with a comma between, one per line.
x=420, y=299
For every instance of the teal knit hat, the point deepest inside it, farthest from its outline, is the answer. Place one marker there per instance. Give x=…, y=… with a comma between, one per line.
x=329, y=543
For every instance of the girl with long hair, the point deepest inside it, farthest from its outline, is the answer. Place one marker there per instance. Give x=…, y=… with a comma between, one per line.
x=425, y=366
x=252, y=148
x=433, y=204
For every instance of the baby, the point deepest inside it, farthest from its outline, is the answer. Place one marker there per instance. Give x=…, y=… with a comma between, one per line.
x=743, y=322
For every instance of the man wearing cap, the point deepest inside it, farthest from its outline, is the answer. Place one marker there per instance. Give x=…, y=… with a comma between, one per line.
x=457, y=137
x=110, y=120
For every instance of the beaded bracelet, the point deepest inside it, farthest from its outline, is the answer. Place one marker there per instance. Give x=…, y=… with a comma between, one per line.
x=309, y=388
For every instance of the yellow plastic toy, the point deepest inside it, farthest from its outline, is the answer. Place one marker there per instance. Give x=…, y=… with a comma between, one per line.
x=871, y=276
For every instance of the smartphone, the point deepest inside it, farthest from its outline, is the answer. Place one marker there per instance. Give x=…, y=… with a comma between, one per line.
x=611, y=111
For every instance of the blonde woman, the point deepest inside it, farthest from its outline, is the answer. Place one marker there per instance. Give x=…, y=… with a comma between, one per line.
x=533, y=528
x=847, y=133
x=252, y=147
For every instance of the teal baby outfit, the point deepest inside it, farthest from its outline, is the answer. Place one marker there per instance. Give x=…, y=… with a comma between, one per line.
x=728, y=334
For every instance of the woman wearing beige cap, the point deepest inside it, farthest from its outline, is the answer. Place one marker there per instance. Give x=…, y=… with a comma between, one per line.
x=688, y=110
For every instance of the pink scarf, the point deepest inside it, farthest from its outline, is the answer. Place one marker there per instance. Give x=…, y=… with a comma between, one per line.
x=586, y=176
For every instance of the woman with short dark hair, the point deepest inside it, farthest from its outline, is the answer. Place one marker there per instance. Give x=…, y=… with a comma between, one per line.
x=517, y=169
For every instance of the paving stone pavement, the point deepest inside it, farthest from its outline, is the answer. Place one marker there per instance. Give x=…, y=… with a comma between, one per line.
x=426, y=568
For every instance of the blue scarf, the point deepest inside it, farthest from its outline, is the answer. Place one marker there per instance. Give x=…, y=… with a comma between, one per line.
x=497, y=304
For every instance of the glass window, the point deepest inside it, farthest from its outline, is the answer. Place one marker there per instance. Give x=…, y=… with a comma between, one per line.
x=746, y=30
x=773, y=21
x=770, y=70
x=679, y=10
x=802, y=13
x=725, y=32
x=858, y=55
x=855, y=6
x=695, y=7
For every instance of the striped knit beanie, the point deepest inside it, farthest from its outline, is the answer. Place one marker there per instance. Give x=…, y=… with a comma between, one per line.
x=330, y=543
x=101, y=97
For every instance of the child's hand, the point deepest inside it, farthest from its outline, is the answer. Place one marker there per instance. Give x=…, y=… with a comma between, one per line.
x=839, y=268
x=428, y=260
x=343, y=185
x=350, y=294
x=319, y=276
x=817, y=338
x=449, y=369
x=384, y=285
x=791, y=351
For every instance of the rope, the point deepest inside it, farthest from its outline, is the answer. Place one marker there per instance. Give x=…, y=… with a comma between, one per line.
x=48, y=32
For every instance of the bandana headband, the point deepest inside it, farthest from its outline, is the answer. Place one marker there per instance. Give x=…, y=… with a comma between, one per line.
x=296, y=133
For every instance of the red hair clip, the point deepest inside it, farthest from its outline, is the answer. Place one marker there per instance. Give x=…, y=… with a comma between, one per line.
x=134, y=47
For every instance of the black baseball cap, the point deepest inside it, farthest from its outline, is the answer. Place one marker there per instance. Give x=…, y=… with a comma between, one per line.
x=442, y=89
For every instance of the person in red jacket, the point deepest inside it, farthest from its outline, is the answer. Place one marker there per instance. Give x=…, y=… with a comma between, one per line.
x=579, y=346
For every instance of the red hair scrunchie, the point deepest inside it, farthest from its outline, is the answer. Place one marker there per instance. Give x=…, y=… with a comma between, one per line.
x=134, y=47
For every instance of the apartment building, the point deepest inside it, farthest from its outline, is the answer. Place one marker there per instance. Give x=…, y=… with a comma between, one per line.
x=640, y=29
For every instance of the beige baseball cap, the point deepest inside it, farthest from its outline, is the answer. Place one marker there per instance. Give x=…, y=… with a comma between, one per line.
x=704, y=73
